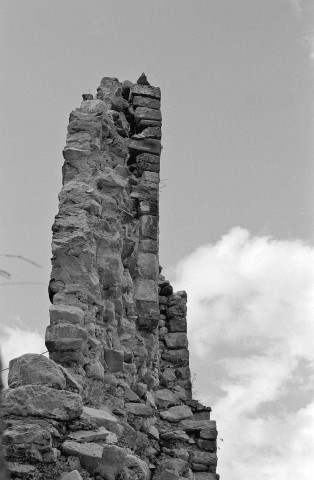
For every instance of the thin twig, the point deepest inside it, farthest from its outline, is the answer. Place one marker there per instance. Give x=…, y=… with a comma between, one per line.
x=21, y=258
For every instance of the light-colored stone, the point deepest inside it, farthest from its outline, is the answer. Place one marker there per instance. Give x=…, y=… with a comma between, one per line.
x=166, y=398
x=34, y=369
x=74, y=475
x=71, y=382
x=153, y=432
x=83, y=436
x=102, y=417
x=145, y=289
x=139, y=469
x=148, y=265
x=175, y=414
x=176, y=340
x=89, y=454
x=41, y=401
x=66, y=313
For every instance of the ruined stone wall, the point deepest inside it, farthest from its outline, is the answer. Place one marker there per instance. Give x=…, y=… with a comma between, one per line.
x=114, y=399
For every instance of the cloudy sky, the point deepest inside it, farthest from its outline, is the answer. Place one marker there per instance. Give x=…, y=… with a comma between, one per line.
x=237, y=219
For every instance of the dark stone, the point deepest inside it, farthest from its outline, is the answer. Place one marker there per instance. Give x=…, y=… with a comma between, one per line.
x=166, y=290
x=177, y=324
x=142, y=80
x=177, y=357
x=87, y=96
x=208, y=445
x=146, y=161
x=114, y=359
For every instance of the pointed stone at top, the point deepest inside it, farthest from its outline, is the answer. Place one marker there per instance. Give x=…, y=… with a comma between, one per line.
x=142, y=80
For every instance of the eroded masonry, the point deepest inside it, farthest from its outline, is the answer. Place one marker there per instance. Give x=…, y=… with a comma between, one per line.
x=113, y=401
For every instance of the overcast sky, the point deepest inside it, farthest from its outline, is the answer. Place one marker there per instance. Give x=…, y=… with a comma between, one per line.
x=237, y=219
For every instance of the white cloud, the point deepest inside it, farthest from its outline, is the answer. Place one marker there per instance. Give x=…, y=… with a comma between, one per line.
x=15, y=341
x=251, y=330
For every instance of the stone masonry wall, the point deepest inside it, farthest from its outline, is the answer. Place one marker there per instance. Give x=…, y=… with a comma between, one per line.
x=113, y=401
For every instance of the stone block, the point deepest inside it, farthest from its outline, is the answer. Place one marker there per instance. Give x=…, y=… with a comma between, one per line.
x=202, y=415
x=139, y=409
x=204, y=458
x=28, y=441
x=205, y=476
x=145, y=113
x=209, y=426
x=41, y=401
x=110, y=178
x=89, y=454
x=208, y=445
x=176, y=414
x=149, y=145
x=148, y=315
x=151, y=132
x=149, y=207
x=83, y=436
x=114, y=359
x=34, y=369
x=147, y=162
x=66, y=314
x=145, y=289
x=176, y=357
x=166, y=398
x=65, y=337
x=149, y=227
x=175, y=436
x=148, y=265
x=103, y=418
x=176, y=340
x=177, y=324
x=113, y=461
x=147, y=245
x=145, y=91
x=139, y=101
x=74, y=475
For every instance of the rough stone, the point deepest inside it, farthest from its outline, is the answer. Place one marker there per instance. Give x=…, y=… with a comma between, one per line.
x=114, y=359
x=165, y=398
x=89, y=454
x=177, y=357
x=204, y=458
x=145, y=113
x=74, y=475
x=83, y=436
x=175, y=414
x=34, y=369
x=176, y=340
x=139, y=101
x=66, y=314
x=139, y=409
x=198, y=426
x=41, y=401
x=102, y=417
x=177, y=324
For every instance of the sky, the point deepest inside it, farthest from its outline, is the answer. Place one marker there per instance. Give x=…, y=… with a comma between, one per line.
x=236, y=201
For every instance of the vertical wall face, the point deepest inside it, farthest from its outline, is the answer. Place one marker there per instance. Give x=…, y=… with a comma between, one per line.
x=115, y=395
x=104, y=281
